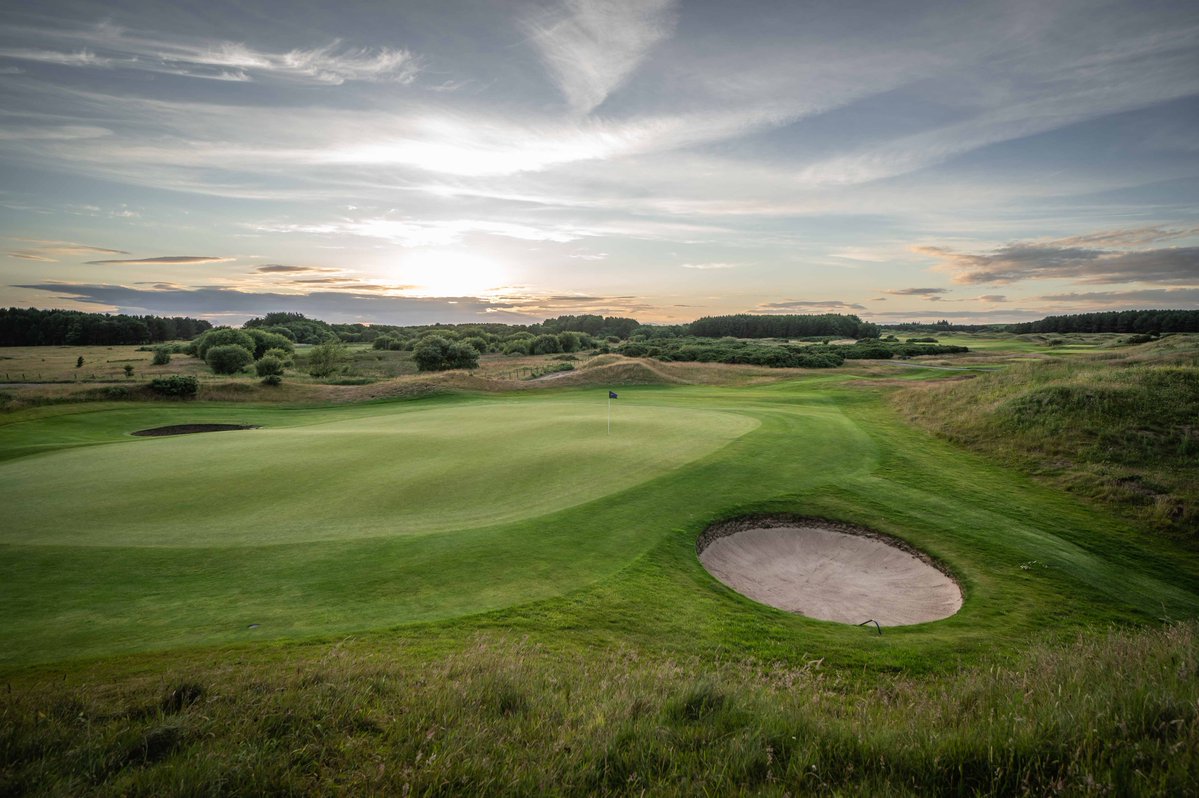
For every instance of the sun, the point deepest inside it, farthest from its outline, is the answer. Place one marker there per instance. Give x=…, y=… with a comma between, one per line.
x=452, y=273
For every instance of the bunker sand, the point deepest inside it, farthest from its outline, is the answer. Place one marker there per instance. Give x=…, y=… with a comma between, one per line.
x=824, y=572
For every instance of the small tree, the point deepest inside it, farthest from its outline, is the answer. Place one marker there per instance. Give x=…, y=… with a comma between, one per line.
x=435, y=353
x=162, y=356
x=546, y=345
x=228, y=358
x=79, y=362
x=283, y=355
x=270, y=368
x=128, y=371
x=327, y=358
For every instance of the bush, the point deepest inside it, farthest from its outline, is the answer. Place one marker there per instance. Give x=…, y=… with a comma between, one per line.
x=327, y=358
x=176, y=386
x=478, y=344
x=282, y=355
x=228, y=358
x=384, y=342
x=545, y=345
x=269, y=366
x=518, y=346
x=222, y=336
x=435, y=353
x=162, y=356
x=265, y=340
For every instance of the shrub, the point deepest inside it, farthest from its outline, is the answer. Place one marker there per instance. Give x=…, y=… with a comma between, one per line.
x=79, y=362
x=569, y=341
x=176, y=385
x=545, y=345
x=265, y=340
x=384, y=342
x=435, y=353
x=162, y=355
x=228, y=358
x=269, y=366
x=478, y=344
x=222, y=336
x=519, y=346
x=327, y=358
x=282, y=355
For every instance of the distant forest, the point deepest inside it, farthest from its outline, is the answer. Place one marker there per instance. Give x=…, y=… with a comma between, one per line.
x=745, y=325
x=32, y=327
x=1116, y=321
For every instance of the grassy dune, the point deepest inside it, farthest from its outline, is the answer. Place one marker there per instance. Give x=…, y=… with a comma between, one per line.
x=1120, y=427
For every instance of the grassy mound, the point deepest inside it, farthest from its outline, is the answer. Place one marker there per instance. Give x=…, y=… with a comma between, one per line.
x=1120, y=427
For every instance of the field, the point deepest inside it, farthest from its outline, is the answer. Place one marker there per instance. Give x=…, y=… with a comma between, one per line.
x=487, y=592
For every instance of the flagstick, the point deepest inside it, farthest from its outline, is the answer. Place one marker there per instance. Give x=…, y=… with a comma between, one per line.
x=609, y=412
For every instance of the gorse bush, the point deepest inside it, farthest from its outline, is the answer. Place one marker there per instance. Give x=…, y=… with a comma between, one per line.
x=228, y=358
x=269, y=366
x=177, y=386
x=222, y=336
x=327, y=358
x=435, y=353
x=162, y=356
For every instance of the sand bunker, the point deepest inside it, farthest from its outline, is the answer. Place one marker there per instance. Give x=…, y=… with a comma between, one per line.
x=829, y=571
x=188, y=429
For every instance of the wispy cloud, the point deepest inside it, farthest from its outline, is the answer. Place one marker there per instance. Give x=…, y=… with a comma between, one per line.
x=164, y=260
x=283, y=268
x=46, y=250
x=808, y=306
x=111, y=47
x=709, y=266
x=1035, y=261
x=925, y=292
x=416, y=233
x=591, y=47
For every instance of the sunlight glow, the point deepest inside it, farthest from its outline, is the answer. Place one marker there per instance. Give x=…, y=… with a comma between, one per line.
x=446, y=272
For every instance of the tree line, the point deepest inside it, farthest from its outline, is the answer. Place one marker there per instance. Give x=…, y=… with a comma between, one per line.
x=1115, y=321
x=746, y=325
x=33, y=327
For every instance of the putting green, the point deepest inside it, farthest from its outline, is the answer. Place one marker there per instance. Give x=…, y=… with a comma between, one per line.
x=399, y=473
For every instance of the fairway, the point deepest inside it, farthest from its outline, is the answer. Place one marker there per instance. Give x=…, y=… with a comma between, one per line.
x=347, y=519
x=393, y=473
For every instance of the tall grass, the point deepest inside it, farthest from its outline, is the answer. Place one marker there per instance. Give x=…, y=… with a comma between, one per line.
x=1122, y=427
x=1114, y=713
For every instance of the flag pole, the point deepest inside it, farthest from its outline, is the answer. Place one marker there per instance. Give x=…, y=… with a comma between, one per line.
x=609, y=412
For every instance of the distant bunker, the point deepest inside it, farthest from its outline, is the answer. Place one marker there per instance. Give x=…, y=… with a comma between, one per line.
x=828, y=570
x=188, y=429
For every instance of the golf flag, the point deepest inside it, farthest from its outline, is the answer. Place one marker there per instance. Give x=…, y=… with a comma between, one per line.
x=611, y=395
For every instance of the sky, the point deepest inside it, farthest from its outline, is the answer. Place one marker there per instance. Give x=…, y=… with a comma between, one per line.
x=410, y=162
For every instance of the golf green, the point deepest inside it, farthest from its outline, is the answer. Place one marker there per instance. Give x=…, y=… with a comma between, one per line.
x=393, y=473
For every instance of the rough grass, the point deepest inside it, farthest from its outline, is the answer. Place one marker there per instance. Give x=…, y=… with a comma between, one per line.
x=1122, y=427
x=1106, y=713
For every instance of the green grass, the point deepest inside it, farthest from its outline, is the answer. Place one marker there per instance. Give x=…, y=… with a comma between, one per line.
x=351, y=620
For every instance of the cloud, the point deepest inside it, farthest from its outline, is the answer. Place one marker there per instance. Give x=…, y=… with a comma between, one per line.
x=1186, y=298
x=707, y=266
x=281, y=268
x=831, y=305
x=591, y=47
x=1039, y=261
x=992, y=298
x=111, y=47
x=45, y=249
x=231, y=305
x=433, y=233
x=930, y=293
x=27, y=254
x=165, y=260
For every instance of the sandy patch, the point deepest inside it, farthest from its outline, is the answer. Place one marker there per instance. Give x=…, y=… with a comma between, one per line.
x=829, y=571
x=188, y=429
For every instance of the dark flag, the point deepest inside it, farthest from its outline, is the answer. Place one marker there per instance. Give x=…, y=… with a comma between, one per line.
x=611, y=395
